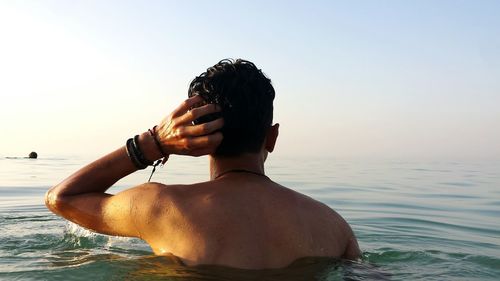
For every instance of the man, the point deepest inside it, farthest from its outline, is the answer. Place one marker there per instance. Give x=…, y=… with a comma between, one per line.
x=240, y=217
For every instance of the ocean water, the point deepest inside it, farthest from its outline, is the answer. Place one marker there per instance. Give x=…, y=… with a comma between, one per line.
x=414, y=221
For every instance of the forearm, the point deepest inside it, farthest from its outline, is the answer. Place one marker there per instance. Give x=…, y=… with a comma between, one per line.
x=175, y=135
x=100, y=175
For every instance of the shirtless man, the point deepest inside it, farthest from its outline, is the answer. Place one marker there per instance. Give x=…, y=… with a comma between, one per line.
x=240, y=217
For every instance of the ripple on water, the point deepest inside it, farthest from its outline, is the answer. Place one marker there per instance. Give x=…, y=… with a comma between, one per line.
x=455, y=266
x=414, y=221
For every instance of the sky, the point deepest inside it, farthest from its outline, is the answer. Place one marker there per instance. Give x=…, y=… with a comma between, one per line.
x=353, y=79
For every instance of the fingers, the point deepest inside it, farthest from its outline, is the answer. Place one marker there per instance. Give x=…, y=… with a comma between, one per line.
x=202, y=145
x=203, y=129
x=195, y=113
x=208, y=142
x=186, y=105
x=178, y=136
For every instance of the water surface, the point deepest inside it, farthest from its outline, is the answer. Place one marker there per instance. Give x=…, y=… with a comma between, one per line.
x=414, y=221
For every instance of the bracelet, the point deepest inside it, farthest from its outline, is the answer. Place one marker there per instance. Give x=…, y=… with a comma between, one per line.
x=132, y=155
x=153, y=134
x=135, y=154
x=140, y=156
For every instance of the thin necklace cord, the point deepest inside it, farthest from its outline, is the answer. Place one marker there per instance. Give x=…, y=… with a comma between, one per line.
x=241, y=171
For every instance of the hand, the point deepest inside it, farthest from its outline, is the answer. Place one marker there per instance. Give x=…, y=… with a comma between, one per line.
x=177, y=134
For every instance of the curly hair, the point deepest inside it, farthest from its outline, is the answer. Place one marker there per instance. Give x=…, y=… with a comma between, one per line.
x=246, y=97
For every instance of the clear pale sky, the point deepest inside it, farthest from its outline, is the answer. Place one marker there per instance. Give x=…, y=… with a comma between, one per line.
x=363, y=79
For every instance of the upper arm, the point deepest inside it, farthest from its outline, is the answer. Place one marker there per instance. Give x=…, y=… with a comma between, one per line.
x=349, y=242
x=122, y=214
x=352, y=251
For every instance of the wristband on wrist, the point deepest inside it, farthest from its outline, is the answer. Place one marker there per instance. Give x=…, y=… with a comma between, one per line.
x=163, y=154
x=135, y=154
x=137, y=157
x=140, y=155
x=157, y=142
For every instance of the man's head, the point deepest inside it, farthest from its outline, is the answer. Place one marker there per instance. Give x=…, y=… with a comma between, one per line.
x=246, y=96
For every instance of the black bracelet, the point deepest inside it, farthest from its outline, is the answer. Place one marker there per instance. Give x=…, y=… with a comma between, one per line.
x=138, y=152
x=131, y=153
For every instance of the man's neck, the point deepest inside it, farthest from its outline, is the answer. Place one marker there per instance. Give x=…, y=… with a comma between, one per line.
x=253, y=162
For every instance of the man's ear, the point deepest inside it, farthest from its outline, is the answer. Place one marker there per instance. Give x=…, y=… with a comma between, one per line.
x=272, y=136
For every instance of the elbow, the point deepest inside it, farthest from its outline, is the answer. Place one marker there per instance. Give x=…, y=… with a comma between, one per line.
x=52, y=200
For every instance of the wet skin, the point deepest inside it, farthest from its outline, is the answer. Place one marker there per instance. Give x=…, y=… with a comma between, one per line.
x=237, y=219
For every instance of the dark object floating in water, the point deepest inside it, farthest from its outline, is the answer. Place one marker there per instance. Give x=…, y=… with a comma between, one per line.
x=33, y=155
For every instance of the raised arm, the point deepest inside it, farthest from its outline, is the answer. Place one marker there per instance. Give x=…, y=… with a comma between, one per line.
x=81, y=198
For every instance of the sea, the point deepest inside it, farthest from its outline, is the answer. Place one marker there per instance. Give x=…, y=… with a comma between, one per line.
x=414, y=220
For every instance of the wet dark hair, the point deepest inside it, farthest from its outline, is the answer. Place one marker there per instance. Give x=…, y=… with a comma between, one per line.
x=246, y=96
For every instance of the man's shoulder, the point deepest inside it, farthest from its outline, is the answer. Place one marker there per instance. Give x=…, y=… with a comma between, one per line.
x=174, y=191
x=316, y=209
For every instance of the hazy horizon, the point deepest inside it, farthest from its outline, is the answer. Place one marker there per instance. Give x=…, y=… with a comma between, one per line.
x=357, y=79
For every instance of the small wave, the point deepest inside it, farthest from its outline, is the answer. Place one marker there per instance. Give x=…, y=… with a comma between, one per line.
x=76, y=236
x=410, y=263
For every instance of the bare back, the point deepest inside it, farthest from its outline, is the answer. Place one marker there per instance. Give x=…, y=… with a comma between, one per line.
x=237, y=219
x=246, y=222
